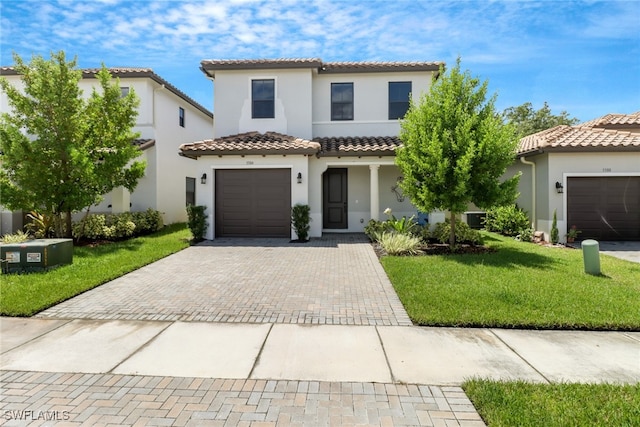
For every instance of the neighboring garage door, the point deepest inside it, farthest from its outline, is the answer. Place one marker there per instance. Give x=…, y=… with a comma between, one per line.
x=604, y=208
x=253, y=203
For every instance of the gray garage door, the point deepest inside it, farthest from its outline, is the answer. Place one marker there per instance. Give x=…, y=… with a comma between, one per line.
x=253, y=203
x=604, y=208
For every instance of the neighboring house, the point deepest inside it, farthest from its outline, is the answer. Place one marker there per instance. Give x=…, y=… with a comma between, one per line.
x=589, y=174
x=166, y=118
x=291, y=131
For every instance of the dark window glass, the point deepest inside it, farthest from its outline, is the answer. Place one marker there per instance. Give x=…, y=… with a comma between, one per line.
x=341, y=101
x=262, y=97
x=181, y=116
x=191, y=191
x=399, y=95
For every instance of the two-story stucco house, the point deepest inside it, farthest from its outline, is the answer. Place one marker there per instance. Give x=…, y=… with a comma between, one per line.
x=167, y=117
x=291, y=131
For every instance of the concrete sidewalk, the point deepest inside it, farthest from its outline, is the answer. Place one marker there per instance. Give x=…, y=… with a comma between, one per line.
x=378, y=354
x=132, y=372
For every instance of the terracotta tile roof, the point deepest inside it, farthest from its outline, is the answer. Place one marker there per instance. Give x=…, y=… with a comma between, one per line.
x=210, y=66
x=579, y=139
x=372, y=67
x=358, y=146
x=143, y=144
x=614, y=120
x=125, y=72
x=250, y=143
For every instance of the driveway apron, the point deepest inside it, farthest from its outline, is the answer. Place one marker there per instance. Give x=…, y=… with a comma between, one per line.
x=335, y=280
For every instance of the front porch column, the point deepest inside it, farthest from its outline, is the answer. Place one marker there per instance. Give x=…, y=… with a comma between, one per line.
x=120, y=200
x=375, y=193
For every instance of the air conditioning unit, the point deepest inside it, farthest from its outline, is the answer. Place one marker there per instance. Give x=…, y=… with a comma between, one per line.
x=475, y=220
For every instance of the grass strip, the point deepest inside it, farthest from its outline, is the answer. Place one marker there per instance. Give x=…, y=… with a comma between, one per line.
x=28, y=294
x=521, y=285
x=526, y=404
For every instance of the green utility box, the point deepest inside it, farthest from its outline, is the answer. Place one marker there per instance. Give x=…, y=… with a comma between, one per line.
x=36, y=255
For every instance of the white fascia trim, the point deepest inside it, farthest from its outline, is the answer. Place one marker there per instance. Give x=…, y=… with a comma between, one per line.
x=288, y=166
x=363, y=163
x=351, y=122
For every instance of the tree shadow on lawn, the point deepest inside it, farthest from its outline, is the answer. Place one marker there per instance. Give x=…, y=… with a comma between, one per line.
x=105, y=248
x=508, y=257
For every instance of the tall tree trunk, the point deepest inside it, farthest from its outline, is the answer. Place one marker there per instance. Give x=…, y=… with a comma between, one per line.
x=68, y=233
x=452, y=234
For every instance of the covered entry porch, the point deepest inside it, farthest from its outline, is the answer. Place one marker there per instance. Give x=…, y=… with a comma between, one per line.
x=345, y=194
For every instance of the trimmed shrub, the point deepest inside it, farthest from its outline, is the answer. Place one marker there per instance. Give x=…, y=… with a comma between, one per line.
x=93, y=227
x=526, y=234
x=507, y=220
x=197, y=222
x=464, y=233
x=147, y=222
x=300, y=220
x=374, y=229
x=118, y=226
x=399, y=244
x=555, y=238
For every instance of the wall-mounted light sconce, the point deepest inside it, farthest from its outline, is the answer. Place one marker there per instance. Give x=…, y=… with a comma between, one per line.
x=299, y=177
x=203, y=178
x=559, y=188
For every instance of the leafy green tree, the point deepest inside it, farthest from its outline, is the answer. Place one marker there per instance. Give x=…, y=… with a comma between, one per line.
x=529, y=121
x=62, y=151
x=456, y=148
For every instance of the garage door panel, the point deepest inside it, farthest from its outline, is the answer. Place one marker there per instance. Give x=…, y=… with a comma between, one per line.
x=604, y=208
x=253, y=202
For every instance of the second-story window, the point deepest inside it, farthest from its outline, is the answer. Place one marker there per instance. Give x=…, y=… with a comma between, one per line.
x=124, y=91
x=399, y=93
x=262, y=99
x=181, y=116
x=341, y=101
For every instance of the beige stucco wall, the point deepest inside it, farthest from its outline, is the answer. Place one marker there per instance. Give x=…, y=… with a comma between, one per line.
x=172, y=169
x=163, y=185
x=205, y=193
x=370, y=99
x=232, y=102
x=557, y=167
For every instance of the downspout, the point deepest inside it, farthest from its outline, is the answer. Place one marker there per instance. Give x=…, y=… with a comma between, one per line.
x=533, y=189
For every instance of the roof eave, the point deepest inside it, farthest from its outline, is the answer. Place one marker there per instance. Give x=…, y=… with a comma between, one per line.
x=248, y=152
x=147, y=145
x=371, y=153
x=581, y=149
x=377, y=69
x=210, y=68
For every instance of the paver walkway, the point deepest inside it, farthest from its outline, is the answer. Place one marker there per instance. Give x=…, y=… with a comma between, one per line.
x=92, y=400
x=334, y=280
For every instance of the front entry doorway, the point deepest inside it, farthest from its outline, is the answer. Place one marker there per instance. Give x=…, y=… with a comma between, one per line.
x=334, y=198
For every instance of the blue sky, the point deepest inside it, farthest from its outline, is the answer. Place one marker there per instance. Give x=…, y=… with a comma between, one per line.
x=582, y=57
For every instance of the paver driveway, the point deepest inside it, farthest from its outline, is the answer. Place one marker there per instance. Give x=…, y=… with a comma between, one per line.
x=333, y=280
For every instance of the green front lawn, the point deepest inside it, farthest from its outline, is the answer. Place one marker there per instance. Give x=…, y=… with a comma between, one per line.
x=27, y=294
x=521, y=285
x=525, y=404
